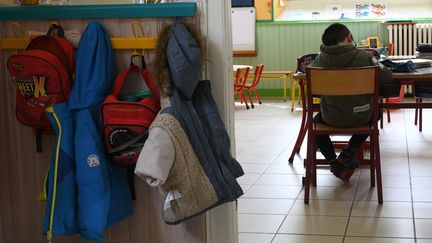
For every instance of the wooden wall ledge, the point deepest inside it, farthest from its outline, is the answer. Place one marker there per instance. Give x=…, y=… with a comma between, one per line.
x=154, y=10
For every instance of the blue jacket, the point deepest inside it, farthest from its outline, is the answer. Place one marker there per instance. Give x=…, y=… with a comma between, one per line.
x=60, y=212
x=102, y=192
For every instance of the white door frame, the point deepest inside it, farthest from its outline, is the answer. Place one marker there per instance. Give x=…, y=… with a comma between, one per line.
x=221, y=222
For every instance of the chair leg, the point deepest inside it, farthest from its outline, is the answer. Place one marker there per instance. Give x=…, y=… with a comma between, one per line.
x=381, y=122
x=250, y=98
x=244, y=99
x=421, y=117
x=372, y=162
x=314, y=163
x=308, y=172
x=378, y=168
x=292, y=96
x=257, y=95
x=300, y=137
x=416, y=112
x=388, y=115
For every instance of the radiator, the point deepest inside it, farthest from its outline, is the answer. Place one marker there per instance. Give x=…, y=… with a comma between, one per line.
x=405, y=36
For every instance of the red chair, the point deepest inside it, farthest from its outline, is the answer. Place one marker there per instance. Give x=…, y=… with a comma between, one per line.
x=303, y=62
x=348, y=81
x=241, y=76
x=254, y=84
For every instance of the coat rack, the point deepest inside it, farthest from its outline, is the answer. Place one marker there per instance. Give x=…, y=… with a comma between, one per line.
x=117, y=43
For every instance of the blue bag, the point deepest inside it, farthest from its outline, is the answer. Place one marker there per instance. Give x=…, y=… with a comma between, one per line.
x=399, y=67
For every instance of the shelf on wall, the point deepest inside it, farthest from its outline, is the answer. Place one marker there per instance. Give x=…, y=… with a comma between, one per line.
x=117, y=43
x=154, y=10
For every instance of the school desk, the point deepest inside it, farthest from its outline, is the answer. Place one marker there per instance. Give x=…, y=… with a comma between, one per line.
x=420, y=76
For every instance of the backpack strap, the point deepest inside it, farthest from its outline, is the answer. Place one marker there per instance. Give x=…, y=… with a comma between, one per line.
x=38, y=139
x=129, y=143
x=145, y=74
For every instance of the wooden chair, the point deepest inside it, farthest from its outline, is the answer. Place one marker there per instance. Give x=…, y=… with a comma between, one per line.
x=349, y=81
x=303, y=63
x=241, y=76
x=254, y=84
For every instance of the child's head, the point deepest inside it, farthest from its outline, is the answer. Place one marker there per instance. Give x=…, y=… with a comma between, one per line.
x=337, y=34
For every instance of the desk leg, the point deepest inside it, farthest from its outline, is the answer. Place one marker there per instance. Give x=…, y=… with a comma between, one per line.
x=285, y=88
x=292, y=88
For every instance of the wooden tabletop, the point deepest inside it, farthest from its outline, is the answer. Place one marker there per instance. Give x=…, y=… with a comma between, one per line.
x=419, y=74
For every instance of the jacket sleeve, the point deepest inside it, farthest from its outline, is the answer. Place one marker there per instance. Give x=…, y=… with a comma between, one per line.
x=156, y=157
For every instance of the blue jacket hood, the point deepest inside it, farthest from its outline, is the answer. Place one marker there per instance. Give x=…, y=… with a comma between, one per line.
x=96, y=74
x=184, y=59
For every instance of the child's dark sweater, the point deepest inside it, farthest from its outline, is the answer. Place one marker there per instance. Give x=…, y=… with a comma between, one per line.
x=347, y=111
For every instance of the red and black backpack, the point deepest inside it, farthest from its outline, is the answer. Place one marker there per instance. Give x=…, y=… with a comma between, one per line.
x=43, y=76
x=126, y=123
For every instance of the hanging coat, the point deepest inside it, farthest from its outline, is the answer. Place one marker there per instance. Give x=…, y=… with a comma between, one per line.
x=180, y=154
x=60, y=189
x=103, y=192
x=184, y=61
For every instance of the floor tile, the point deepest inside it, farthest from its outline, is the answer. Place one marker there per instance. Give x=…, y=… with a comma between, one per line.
x=264, y=206
x=259, y=223
x=321, y=207
x=262, y=191
x=255, y=159
x=422, y=195
x=254, y=168
x=377, y=240
x=285, y=238
x=421, y=182
x=331, y=180
x=387, y=209
x=245, y=187
x=389, y=194
x=423, y=228
x=248, y=179
x=315, y=225
x=330, y=193
x=422, y=210
x=279, y=180
x=388, y=181
x=380, y=227
x=255, y=238
x=285, y=168
x=424, y=240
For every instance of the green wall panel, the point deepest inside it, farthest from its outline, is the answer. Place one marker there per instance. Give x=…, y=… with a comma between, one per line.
x=279, y=45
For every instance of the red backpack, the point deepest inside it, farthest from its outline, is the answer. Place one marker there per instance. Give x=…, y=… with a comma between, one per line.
x=43, y=77
x=126, y=123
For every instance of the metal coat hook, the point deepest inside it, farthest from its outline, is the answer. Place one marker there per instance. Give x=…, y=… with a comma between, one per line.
x=138, y=32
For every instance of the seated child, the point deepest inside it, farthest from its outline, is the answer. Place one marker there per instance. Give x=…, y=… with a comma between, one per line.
x=338, y=51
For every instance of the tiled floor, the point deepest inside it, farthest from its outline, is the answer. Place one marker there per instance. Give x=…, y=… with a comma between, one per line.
x=272, y=208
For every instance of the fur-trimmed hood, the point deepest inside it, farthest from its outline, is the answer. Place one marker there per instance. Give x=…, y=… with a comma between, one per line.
x=178, y=61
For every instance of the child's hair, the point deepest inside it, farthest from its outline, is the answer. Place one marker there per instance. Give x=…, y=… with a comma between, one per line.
x=335, y=34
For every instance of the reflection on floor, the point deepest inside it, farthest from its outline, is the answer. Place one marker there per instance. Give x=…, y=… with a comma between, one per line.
x=272, y=208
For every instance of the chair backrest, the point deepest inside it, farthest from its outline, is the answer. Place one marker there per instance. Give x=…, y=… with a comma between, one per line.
x=305, y=61
x=342, y=82
x=372, y=51
x=241, y=77
x=257, y=75
x=346, y=81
